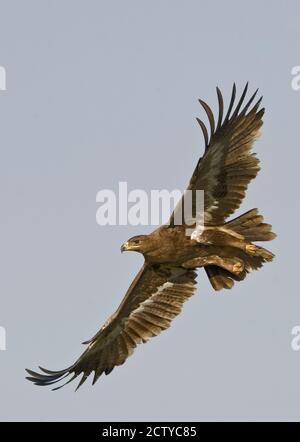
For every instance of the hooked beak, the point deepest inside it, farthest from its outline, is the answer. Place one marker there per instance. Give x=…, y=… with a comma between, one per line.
x=124, y=246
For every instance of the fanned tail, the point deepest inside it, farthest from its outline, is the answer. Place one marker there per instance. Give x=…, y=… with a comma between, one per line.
x=251, y=226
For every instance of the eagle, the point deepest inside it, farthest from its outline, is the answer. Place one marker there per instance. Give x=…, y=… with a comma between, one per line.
x=226, y=249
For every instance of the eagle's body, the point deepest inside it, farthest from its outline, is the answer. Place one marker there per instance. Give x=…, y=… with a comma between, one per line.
x=168, y=277
x=172, y=246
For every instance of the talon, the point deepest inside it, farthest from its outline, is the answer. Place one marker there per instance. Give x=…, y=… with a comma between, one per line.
x=237, y=268
x=251, y=249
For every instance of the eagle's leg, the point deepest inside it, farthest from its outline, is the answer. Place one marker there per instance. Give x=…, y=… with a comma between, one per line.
x=253, y=250
x=233, y=265
x=220, y=236
x=250, y=248
x=229, y=238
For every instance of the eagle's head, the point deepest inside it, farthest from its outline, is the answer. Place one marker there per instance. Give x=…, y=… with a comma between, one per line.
x=140, y=243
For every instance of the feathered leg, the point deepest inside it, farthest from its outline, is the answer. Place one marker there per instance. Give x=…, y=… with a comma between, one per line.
x=233, y=265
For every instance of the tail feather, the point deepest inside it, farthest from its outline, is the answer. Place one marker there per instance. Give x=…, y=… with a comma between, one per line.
x=218, y=279
x=223, y=279
x=252, y=227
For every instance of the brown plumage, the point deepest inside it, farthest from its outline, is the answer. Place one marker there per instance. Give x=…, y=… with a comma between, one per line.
x=168, y=278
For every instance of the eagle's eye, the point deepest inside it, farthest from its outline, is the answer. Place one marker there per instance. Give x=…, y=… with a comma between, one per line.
x=136, y=241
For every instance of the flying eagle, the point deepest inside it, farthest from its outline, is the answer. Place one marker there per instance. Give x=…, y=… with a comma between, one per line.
x=171, y=257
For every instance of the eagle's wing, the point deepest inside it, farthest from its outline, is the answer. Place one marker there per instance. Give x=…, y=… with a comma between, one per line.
x=227, y=165
x=154, y=298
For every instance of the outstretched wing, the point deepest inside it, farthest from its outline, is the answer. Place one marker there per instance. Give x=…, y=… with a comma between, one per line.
x=153, y=300
x=228, y=165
